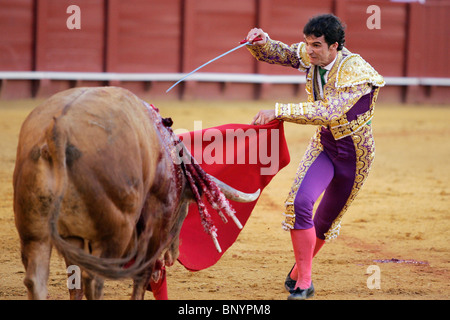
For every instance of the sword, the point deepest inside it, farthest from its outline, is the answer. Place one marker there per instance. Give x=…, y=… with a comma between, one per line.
x=241, y=44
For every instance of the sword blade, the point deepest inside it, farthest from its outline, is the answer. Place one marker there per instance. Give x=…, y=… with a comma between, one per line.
x=205, y=64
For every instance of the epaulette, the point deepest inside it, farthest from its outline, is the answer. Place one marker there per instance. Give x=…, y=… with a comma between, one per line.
x=354, y=70
x=304, y=59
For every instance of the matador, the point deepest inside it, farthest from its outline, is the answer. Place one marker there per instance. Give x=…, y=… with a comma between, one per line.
x=342, y=89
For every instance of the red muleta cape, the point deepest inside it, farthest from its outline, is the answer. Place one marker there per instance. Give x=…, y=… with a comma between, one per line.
x=246, y=157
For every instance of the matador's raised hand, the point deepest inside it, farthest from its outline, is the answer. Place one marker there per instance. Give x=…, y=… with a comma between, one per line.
x=254, y=34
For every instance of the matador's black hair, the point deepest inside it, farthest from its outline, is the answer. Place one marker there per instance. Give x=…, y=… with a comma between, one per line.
x=329, y=26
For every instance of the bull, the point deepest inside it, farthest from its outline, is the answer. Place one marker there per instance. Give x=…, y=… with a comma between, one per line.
x=97, y=177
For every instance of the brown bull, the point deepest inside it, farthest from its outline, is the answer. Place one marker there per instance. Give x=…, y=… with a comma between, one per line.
x=95, y=177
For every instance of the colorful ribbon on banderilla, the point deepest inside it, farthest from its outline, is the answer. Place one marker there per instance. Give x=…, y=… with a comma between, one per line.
x=200, y=182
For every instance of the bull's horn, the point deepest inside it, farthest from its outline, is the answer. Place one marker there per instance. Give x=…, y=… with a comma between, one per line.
x=233, y=194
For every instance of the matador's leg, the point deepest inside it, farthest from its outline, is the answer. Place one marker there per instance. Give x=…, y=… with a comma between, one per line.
x=351, y=172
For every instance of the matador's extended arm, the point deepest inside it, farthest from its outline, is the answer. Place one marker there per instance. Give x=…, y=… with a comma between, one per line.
x=350, y=79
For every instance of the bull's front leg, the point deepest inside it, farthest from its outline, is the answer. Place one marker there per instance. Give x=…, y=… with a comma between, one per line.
x=75, y=286
x=140, y=285
x=172, y=253
x=93, y=286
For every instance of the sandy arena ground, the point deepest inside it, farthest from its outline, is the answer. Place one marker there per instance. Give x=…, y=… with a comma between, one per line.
x=402, y=213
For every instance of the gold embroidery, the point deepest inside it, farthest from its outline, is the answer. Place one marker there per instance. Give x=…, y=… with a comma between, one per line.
x=277, y=52
x=304, y=58
x=341, y=128
x=355, y=70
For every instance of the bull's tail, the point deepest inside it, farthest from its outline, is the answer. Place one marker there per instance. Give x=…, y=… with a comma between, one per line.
x=59, y=152
x=54, y=153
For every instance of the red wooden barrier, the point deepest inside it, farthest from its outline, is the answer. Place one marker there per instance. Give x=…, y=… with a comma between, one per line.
x=144, y=36
x=59, y=48
x=16, y=45
x=172, y=36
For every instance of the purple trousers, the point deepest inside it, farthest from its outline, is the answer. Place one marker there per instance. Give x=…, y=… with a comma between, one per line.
x=332, y=172
x=336, y=168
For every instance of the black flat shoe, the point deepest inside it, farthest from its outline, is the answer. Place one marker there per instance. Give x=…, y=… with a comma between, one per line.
x=289, y=283
x=302, y=294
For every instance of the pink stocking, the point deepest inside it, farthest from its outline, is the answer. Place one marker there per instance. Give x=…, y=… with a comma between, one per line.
x=319, y=245
x=303, y=242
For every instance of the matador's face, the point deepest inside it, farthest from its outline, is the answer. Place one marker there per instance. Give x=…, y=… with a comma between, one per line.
x=320, y=54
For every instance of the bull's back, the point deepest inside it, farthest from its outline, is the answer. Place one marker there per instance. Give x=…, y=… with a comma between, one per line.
x=100, y=138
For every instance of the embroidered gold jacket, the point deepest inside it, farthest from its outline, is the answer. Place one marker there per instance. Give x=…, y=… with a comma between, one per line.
x=350, y=78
